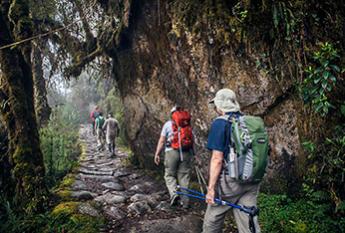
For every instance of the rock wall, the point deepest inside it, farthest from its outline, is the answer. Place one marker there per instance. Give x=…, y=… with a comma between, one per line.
x=157, y=67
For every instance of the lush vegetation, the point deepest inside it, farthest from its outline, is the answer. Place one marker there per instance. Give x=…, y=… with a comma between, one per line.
x=310, y=214
x=300, y=44
x=59, y=221
x=61, y=150
x=59, y=143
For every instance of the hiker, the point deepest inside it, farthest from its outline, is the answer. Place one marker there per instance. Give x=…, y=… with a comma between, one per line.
x=111, y=127
x=223, y=182
x=176, y=136
x=93, y=115
x=99, y=130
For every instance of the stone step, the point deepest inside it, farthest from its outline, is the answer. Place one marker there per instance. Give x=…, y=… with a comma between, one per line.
x=93, y=172
x=103, y=178
x=100, y=169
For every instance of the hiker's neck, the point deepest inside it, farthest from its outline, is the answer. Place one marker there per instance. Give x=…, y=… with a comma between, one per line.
x=219, y=112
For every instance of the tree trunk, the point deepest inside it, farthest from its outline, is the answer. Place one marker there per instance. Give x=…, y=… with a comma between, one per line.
x=17, y=110
x=42, y=108
x=6, y=182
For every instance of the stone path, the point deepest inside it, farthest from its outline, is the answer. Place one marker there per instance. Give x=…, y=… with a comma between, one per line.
x=129, y=200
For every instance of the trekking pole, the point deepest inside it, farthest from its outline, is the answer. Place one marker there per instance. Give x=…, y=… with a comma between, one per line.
x=192, y=193
x=201, y=176
x=251, y=211
x=199, y=179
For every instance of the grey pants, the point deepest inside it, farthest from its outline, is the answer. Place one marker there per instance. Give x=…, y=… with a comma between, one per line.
x=177, y=171
x=243, y=194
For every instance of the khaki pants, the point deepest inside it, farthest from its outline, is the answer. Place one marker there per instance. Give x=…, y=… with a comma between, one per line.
x=100, y=139
x=177, y=172
x=243, y=194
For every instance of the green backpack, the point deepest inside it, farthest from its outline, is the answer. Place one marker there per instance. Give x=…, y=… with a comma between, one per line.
x=100, y=122
x=249, y=147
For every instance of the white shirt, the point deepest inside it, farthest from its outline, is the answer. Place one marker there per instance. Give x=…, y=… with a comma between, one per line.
x=168, y=133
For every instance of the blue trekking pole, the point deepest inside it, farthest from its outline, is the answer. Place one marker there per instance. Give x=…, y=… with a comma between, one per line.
x=251, y=211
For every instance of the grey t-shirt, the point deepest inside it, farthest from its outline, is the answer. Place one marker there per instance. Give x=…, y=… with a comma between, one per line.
x=167, y=132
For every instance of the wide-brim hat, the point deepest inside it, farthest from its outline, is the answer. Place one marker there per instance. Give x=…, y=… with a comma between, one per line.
x=226, y=100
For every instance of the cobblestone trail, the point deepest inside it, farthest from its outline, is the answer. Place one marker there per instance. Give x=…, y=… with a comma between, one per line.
x=130, y=200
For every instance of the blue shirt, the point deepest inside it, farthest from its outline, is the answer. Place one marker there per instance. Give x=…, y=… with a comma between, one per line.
x=219, y=135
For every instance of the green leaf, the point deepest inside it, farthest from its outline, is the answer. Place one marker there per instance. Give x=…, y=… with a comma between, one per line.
x=275, y=16
x=326, y=74
x=325, y=63
x=342, y=109
x=317, y=80
x=335, y=68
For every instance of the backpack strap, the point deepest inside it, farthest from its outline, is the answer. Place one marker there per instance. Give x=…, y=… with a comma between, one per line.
x=230, y=119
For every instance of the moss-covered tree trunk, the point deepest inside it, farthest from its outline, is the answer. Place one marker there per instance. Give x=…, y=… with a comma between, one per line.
x=42, y=108
x=6, y=182
x=17, y=112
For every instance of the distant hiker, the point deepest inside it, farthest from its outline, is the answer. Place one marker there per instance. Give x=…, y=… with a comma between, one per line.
x=111, y=127
x=99, y=130
x=93, y=115
x=233, y=176
x=177, y=138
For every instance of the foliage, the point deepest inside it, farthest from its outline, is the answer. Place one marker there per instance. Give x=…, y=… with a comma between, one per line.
x=321, y=78
x=326, y=165
x=64, y=221
x=83, y=96
x=279, y=213
x=59, y=142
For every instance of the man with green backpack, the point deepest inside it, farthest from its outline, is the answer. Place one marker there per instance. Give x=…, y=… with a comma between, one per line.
x=239, y=146
x=99, y=130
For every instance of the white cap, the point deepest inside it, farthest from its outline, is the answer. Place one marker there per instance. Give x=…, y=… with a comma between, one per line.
x=226, y=101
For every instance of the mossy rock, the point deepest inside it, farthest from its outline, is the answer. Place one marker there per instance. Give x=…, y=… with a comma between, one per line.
x=68, y=208
x=68, y=218
x=83, y=152
x=64, y=194
x=85, y=223
x=67, y=181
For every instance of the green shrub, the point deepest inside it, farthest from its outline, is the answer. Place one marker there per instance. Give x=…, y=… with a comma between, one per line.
x=279, y=213
x=326, y=165
x=71, y=222
x=59, y=143
x=321, y=78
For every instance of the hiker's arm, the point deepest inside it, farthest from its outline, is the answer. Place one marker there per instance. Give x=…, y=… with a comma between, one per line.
x=215, y=168
x=118, y=129
x=159, y=148
x=105, y=124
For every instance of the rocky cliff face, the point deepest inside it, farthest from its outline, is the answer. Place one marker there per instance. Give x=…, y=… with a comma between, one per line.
x=158, y=66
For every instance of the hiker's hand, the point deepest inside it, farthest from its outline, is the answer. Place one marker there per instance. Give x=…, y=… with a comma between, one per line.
x=210, y=196
x=157, y=159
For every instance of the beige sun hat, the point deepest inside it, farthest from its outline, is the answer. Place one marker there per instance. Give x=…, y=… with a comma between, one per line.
x=226, y=101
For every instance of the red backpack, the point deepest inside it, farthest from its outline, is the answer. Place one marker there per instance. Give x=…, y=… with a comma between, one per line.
x=182, y=130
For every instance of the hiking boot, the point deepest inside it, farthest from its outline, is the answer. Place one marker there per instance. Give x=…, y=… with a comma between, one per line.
x=185, y=206
x=174, y=200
